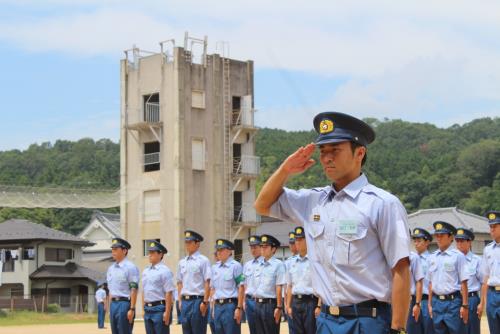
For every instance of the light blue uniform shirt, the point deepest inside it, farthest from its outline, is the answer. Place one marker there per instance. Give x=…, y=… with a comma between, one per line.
x=447, y=269
x=192, y=272
x=299, y=275
x=119, y=277
x=490, y=264
x=224, y=279
x=268, y=275
x=250, y=281
x=474, y=271
x=354, y=237
x=157, y=280
x=100, y=295
x=417, y=272
x=424, y=260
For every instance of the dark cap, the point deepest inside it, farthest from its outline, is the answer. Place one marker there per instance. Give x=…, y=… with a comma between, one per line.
x=291, y=237
x=421, y=233
x=299, y=232
x=463, y=233
x=336, y=127
x=254, y=240
x=267, y=239
x=120, y=243
x=223, y=243
x=493, y=217
x=157, y=247
x=444, y=228
x=192, y=235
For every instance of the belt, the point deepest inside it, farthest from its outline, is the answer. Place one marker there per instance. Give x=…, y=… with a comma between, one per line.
x=226, y=301
x=120, y=299
x=424, y=297
x=494, y=288
x=156, y=303
x=364, y=309
x=473, y=294
x=265, y=300
x=249, y=297
x=304, y=298
x=188, y=297
x=450, y=296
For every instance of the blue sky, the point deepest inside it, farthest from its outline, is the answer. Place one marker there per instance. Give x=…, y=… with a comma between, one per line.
x=421, y=61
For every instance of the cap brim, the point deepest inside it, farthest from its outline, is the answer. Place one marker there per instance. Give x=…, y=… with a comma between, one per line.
x=331, y=141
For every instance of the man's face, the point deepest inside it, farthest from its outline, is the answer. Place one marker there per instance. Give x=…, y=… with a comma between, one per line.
x=421, y=244
x=267, y=251
x=223, y=254
x=191, y=246
x=255, y=250
x=118, y=253
x=301, y=245
x=495, y=232
x=154, y=257
x=444, y=240
x=463, y=245
x=339, y=162
x=293, y=248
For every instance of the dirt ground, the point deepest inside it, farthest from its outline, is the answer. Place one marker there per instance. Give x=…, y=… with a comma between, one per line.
x=138, y=329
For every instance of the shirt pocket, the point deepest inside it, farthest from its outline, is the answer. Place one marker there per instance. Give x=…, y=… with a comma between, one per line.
x=320, y=243
x=349, y=248
x=228, y=280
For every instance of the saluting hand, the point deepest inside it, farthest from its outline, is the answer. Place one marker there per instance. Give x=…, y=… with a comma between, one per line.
x=299, y=161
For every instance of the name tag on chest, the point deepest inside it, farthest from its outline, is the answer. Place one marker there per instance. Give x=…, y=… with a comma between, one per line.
x=347, y=227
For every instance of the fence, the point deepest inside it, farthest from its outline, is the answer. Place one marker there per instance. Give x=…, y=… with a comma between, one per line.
x=41, y=303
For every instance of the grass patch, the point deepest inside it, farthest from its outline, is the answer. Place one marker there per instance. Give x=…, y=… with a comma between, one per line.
x=19, y=318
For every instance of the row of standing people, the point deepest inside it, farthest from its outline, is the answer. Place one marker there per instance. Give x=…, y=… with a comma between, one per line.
x=451, y=287
x=222, y=292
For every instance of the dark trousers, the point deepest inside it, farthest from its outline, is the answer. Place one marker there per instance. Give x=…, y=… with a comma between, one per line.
x=493, y=311
x=178, y=312
x=153, y=320
x=211, y=320
x=424, y=324
x=224, y=319
x=264, y=318
x=101, y=314
x=474, y=323
x=329, y=324
x=303, y=319
x=446, y=316
x=250, y=314
x=192, y=320
x=118, y=317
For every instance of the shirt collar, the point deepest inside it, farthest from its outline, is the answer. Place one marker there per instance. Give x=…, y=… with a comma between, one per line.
x=257, y=259
x=447, y=251
x=121, y=263
x=302, y=259
x=226, y=264
x=194, y=255
x=468, y=256
x=352, y=189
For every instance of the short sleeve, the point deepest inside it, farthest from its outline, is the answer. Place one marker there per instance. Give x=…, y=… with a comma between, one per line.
x=207, y=270
x=393, y=232
x=463, y=275
x=281, y=274
x=238, y=274
x=417, y=269
x=168, y=281
x=133, y=274
x=291, y=205
x=179, y=273
x=484, y=268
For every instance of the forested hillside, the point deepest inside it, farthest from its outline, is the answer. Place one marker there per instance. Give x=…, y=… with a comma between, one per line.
x=424, y=165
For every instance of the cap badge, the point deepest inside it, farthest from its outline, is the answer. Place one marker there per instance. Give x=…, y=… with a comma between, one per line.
x=264, y=239
x=115, y=241
x=299, y=231
x=460, y=232
x=326, y=126
x=220, y=242
x=152, y=244
x=492, y=216
x=417, y=231
x=252, y=239
x=188, y=234
x=439, y=226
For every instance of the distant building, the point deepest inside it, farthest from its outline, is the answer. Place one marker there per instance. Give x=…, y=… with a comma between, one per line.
x=456, y=217
x=102, y=228
x=39, y=261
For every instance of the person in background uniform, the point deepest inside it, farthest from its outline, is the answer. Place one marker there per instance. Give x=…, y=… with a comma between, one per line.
x=193, y=285
x=490, y=268
x=123, y=281
x=291, y=258
x=210, y=311
x=448, y=283
x=250, y=282
x=227, y=289
x=464, y=240
x=421, y=241
x=157, y=286
x=102, y=302
x=357, y=234
x=302, y=303
x=270, y=278
x=417, y=277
